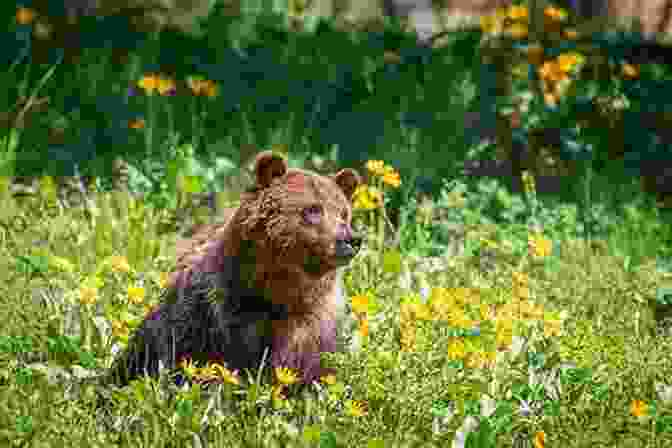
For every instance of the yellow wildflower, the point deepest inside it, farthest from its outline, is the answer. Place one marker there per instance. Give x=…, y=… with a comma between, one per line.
x=638, y=408
x=539, y=439
x=364, y=327
x=25, y=16
x=285, y=375
x=517, y=30
x=119, y=264
x=571, y=34
x=518, y=12
x=202, y=87
x=567, y=61
x=360, y=303
x=376, y=167
x=551, y=71
x=88, y=295
x=539, y=246
x=355, y=408
x=392, y=178
x=225, y=374
x=136, y=294
x=630, y=71
x=456, y=349
x=154, y=82
x=329, y=379
x=556, y=14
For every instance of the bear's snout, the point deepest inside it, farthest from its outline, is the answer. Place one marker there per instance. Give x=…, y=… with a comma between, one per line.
x=347, y=248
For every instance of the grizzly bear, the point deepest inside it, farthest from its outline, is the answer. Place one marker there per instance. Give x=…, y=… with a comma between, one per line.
x=269, y=277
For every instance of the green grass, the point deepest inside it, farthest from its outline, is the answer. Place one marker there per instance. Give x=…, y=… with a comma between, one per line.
x=420, y=396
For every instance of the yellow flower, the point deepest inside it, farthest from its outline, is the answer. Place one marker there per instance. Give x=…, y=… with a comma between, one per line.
x=539, y=439
x=567, y=61
x=520, y=278
x=364, y=327
x=118, y=328
x=491, y=24
x=329, y=379
x=189, y=368
x=517, y=12
x=163, y=279
x=225, y=374
x=25, y=16
x=119, y=264
x=571, y=34
x=285, y=375
x=638, y=408
x=202, y=87
x=517, y=30
x=481, y=359
x=630, y=71
x=376, y=167
x=392, y=178
x=355, y=408
x=88, y=295
x=539, y=246
x=552, y=325
x=367, y=198
x=456, y=349
x=277, y=394
x=136, y=294
x=360, y=303
x=557, y=14
x=137, y=124
x=153, y=82
x=551, y=71
x=528, y=182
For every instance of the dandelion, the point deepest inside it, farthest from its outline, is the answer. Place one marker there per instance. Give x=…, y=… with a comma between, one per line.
x=571, y=34
x=518, y=12
x=630, y=71
x=363, y=327
x=551, y=71
x=555, y=14
x=367, y=198
x=188, y=367
x=88, y=295
x=539, y=439
x=119, y=264
x=329, y=379
x=202, y=87
x=456, y=349
x=360, y=303
x=285, y=375
x=25, y=16
x=137, y=124
x=491, y=24
x=392, y=178
x=567, y=61
x=355, y=408
x=136, y=294
x=638, y=408
x=517, y=31
x=539, y=246
x=153, y=82
x=376, y=167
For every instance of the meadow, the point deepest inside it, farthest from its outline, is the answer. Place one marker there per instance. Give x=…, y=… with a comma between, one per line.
x=479, y=318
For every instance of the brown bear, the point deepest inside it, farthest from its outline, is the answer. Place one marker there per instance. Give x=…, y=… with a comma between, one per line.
x=268, y=277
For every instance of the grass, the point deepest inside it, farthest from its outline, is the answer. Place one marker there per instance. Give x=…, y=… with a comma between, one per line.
x=542, y=340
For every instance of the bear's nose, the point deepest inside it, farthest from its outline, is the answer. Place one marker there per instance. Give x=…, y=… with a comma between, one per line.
x=348, y=247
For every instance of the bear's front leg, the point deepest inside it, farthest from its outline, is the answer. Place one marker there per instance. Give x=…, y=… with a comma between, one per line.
x=297, y=344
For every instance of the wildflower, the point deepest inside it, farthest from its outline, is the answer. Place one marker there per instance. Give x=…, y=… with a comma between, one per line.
x=638, y=408
x=456, y=349
x=364, y=327
x=151, y=82
x=528, y=182
x=551, y=71
x=481, y=359
x=555, y=14
x=277, y=393
x=520, y=278
x=518, y=12
x=25, y=16
x=630, y=71
x=567, y=61
x=285, y=375
x=571, y=34
x=552, y=325
x=539, y=439
x=539, y=246
x=367, y=198
x=88, y=295
x=136, y=124
x=118, y=327
x=188, y=367
x=392, y=178
x=360, y=303
x=119, y=264
x=328, y=379
x=491, y=24
x=517, y=30
x=376, y=167
x=163, y=279
x=202, y=87
x=225, y=374
x=355, y=408
x=136, y=294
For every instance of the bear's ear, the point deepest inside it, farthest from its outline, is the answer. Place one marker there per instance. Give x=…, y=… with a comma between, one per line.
x=267, y=167
x=348, y=180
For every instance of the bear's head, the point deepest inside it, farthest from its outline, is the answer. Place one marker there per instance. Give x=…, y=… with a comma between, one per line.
x=301, y=219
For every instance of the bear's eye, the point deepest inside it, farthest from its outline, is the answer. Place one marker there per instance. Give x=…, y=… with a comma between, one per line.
x=312, y=214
